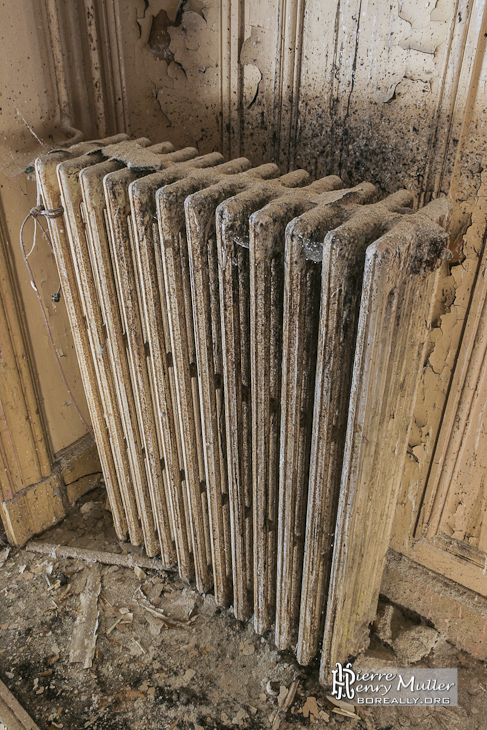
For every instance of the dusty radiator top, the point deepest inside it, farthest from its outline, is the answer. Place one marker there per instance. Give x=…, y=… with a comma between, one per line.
x=249, y=344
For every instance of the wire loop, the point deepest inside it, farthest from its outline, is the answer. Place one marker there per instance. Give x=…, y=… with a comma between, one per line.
x=39, y=210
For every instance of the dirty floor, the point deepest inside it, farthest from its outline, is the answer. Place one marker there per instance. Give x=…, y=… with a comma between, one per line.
x=199, y=668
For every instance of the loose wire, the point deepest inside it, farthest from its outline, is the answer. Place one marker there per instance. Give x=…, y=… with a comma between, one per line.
x=35, y=213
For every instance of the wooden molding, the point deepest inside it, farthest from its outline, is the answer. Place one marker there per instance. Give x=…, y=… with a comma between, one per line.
x=25, y=451
x=33, y=510
x=31, y=498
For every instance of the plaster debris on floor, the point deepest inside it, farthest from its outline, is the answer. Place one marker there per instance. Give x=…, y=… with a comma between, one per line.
x=85, y=644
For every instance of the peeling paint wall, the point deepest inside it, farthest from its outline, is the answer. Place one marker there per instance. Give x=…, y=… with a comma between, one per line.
x=171, y=61
x=456, y=305
x=385, y=67
x=351, y=88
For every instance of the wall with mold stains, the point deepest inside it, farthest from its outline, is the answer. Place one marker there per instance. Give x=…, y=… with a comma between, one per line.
x=351, y=88
x=392, y=93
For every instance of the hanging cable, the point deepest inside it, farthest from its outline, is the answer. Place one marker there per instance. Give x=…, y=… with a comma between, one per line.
x=35, y=214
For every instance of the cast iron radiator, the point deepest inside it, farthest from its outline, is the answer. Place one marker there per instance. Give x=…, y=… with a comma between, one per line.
x=249, y=344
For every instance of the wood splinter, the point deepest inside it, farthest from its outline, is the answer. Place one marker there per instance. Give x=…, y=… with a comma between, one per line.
x=288, y=701
x=12, y=714
x=97, y=556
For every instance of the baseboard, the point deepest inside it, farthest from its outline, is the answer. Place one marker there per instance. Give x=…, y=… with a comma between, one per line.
x=457, y=612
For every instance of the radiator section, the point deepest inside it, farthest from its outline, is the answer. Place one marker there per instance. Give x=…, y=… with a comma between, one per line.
x=151, y=493
x=396, y=304
x=250, y=524
x=49, y=188
x=353, y=227
x=152, y=287
x=302, y=301
x=203, y=259
x=267, y=245
x=249, y=344
x=68, y=176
